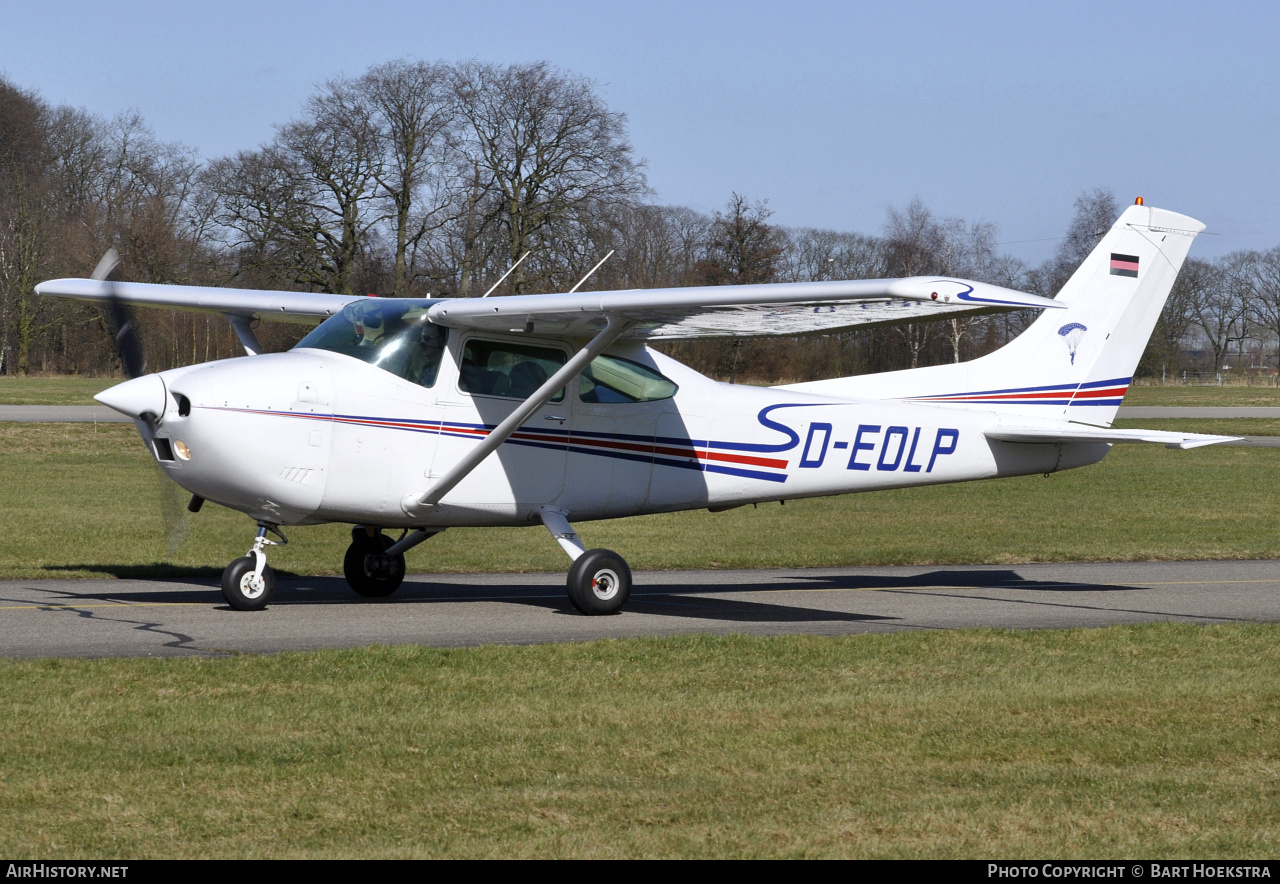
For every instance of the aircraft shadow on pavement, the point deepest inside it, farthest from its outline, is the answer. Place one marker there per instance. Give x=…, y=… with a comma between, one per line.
x=694, y=598
x=678, y=603
x=696, y=601
x=738, y=611
x=156, y=571
x=174, y=590
x=949, y=579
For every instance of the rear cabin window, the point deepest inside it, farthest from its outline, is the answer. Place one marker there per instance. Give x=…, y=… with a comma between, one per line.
x=497, y=368
x=613, y=379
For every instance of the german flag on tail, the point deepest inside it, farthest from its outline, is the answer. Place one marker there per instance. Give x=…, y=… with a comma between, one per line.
x=1124, y=265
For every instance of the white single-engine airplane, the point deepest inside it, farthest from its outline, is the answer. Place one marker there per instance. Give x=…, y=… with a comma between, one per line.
x=427, y=414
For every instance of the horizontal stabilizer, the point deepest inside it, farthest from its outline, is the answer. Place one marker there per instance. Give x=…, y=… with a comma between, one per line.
x=1083, y=433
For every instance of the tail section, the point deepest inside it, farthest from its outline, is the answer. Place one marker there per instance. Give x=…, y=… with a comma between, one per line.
x=1070, y=364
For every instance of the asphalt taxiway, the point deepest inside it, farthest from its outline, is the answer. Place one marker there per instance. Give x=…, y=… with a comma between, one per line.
x=125, y=617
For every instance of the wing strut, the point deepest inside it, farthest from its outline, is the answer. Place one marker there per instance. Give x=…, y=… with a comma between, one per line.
x=244, y=331
x=419, y=504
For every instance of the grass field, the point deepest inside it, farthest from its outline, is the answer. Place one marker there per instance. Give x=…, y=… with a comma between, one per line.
x=1238, y=397
x=52, y=390
x=1159, y=741
x=86, y=501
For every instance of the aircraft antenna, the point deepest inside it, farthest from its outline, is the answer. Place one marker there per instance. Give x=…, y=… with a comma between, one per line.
x=589, y=272
x=504, y=276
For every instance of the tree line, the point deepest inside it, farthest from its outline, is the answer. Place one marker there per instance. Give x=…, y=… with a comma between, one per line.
x=420, y=179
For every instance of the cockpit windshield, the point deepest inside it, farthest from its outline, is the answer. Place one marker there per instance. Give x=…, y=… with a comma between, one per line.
x=392, y=334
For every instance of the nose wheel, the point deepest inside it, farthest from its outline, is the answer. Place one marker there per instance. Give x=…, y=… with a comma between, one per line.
x=245, y=587
x=248, y=584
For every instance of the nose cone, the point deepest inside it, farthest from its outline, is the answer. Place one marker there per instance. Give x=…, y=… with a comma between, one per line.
x=144, y=395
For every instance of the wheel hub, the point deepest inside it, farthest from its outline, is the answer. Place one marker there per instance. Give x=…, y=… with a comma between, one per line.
x=605, y=584
x=252, y=585
x=376, y=565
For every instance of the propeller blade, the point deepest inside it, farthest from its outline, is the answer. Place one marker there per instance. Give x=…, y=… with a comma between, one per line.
x=128, y=345
x=173, y=510
x=106, y=264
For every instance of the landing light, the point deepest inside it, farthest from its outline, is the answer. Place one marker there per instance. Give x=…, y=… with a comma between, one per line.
x=181, y=448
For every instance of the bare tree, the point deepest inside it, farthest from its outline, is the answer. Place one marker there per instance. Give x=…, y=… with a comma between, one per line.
x=660, y=247
x=24, y=220
x=914, y=243
x=549, y=150
x=1218, y=302
x=742, y=247
x=303, y=207
x=1096, y=211
x=1164, y=350
x=412, y=114
x=335, y=163
x=812, y=255
x=969, y=252
x=1264, y=292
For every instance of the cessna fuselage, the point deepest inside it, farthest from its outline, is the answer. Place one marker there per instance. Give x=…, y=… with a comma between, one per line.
x=331, y=432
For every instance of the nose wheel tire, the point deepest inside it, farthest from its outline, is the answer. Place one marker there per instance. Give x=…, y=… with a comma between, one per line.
x=242, y=591
x=599, y=582
x=370, y=573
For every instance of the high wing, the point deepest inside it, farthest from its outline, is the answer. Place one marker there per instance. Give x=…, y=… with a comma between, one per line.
x=700, y=312
x=249, y=303
x=795, y=308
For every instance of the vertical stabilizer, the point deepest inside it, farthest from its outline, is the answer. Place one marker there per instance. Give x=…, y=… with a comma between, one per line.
x=1076, y=363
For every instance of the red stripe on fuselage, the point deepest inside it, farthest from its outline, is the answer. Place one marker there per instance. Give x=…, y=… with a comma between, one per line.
x=1092, y=393
x=526, y=436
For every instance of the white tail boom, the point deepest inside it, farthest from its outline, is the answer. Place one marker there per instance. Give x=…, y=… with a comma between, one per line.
x=1073, y=364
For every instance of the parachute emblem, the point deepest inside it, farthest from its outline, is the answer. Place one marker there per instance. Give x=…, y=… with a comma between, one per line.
x=1071, y=333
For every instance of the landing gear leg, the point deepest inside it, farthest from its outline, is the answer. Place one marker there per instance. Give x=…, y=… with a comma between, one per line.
x=248, y=583
x=599, y=579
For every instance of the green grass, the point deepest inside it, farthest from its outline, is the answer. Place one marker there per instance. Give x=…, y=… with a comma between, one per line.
x=1227, y=426
x=86, y=501
x=1138, y=741
x=1194, y=397
x=52, y=390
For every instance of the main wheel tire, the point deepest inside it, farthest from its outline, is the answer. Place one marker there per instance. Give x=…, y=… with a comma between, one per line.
x=370, y=573
x=241, y=591
x=599, y=582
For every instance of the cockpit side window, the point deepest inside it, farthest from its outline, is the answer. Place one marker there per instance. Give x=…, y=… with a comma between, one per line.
x=614, y=379
x=393, y=335
x=498, y=368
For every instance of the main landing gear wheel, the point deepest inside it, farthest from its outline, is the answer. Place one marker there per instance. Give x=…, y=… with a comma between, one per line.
x=599, y=582
x=244, y=591
x=368, y=571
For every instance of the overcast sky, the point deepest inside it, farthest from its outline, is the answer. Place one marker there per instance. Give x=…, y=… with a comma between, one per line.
x=833, y=112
